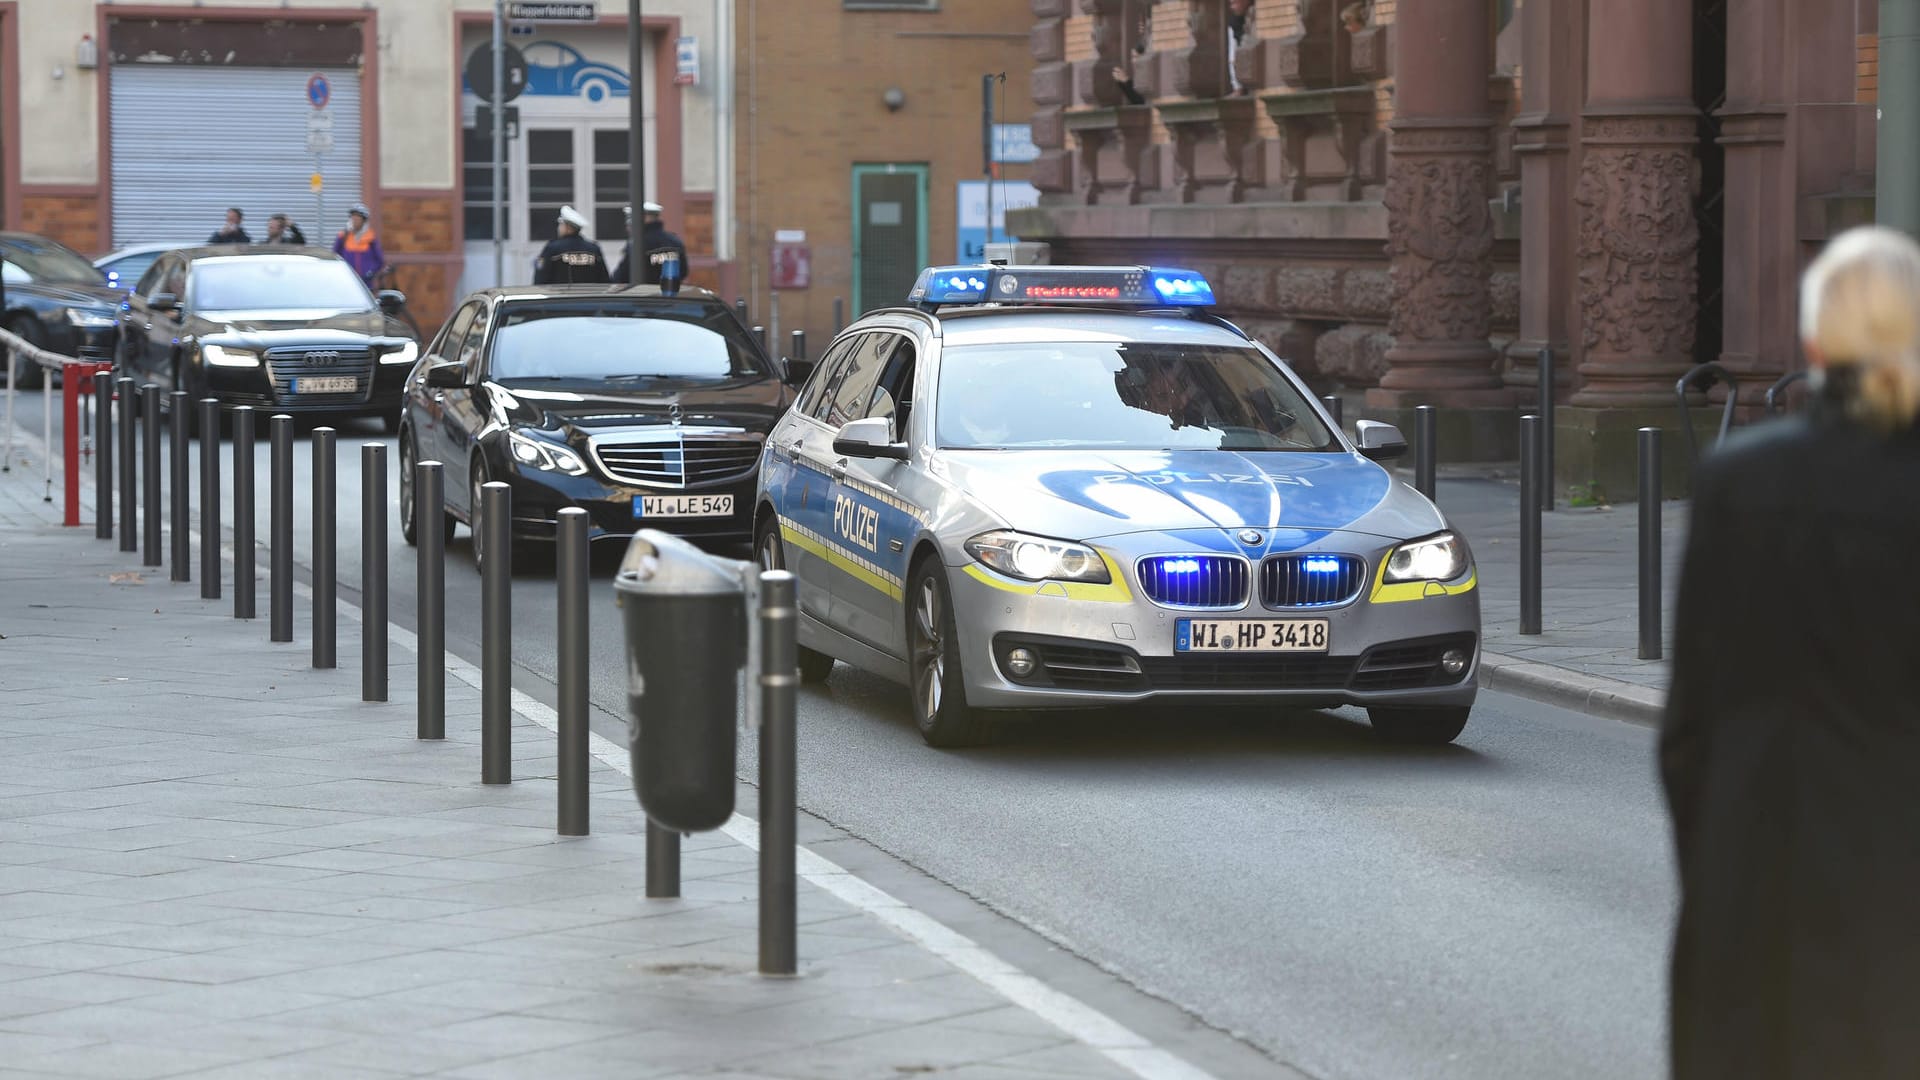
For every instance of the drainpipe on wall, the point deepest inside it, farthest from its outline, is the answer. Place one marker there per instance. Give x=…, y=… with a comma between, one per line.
x=1897, y=170
x=723, y=240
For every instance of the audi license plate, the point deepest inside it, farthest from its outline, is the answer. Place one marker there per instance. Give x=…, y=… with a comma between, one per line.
x=326, y=384
x=1250, y=635
x=649, y=506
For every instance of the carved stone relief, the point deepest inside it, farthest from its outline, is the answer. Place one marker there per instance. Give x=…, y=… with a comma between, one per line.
x=1440, y=239
x=1637, y=245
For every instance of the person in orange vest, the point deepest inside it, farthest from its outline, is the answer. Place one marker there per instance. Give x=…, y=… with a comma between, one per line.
x=359, y=245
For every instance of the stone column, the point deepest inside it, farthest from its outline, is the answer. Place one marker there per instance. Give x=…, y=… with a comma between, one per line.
x=1440, y=228
x=1638, y=237
x=1543, y=134
x=1760, y=335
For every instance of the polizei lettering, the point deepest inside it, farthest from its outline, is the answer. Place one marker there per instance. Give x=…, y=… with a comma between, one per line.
x=859, y=524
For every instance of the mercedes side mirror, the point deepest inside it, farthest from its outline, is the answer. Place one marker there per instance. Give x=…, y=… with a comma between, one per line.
x=1378, y=441
x=447, y=376
x=871, y=437
x=794, y=372
x=391, y=301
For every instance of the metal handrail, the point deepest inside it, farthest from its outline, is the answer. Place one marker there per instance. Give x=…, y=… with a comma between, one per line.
x=1778, y=388
x=1706, y=374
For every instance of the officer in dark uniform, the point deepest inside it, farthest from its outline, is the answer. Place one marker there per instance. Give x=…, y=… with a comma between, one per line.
x=570, y=258
x=658, y=248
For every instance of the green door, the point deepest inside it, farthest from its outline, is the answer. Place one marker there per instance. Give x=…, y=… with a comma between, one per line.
x=889, y=233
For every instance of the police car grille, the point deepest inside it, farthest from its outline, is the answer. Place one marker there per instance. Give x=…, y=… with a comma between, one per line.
x=676, y=464
x=284, y=365
x=1194, y=581
x=1305, y=581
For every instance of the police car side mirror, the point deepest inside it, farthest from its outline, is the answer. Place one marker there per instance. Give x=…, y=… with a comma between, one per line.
x=447, y=376
x=390, y=300
x=871, y=437
x=794, y=372
x=1378, y=441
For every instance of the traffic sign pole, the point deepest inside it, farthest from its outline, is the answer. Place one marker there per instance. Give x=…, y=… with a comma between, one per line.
x=499, y=141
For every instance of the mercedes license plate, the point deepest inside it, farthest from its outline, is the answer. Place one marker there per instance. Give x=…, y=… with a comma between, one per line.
x=649, y=506
x=1250, y=635
x=326, y=384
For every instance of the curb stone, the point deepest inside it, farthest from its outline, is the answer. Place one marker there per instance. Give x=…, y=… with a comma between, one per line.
x=1591, y=694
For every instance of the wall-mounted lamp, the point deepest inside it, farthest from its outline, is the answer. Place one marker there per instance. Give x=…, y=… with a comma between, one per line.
x=86, y=55
x=895, y=98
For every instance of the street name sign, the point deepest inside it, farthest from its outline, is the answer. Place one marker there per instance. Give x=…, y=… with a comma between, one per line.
x=553, y=11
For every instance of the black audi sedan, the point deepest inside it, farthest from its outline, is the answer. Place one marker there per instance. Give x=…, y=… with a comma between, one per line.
x=291, y=329
x=55, y=299
x=647, y=411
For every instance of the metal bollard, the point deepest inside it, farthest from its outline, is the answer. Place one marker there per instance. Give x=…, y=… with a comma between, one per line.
x=1333, y=404
x=799, y=345
x=210, y=498
x=496, y=635
x=571, y=572
x=1530, y=482
x=1424, y=443
x=740, y=309
x=280, y=528
x=429, y=509
x=779, y=685
x=129, y=493
x=103, y=455
x=1543, y=371
x=1650, y=512
x=150, y=473
x=373, y=571
x=243, y=553
x=760, y=335
x=180, y=508
x=839, y=315
x=326, y=582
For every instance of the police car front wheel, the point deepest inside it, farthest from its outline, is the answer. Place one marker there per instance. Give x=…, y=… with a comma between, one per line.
x=1421, y=727
x=933, y=659
x=814, y=666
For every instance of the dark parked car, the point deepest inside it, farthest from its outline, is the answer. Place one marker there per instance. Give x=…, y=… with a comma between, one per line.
x=282, y=328
x=55, y=299
x=644, y=410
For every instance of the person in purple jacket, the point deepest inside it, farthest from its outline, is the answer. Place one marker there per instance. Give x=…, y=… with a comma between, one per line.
x=359, y=245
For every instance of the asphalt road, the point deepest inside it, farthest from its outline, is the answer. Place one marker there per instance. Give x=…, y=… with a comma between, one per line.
x=1498, y=908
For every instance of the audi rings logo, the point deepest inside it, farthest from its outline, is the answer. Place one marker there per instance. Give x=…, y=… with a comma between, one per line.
x=323, y=357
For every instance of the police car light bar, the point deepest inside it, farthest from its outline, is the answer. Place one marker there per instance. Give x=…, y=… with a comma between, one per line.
x=1124, y=286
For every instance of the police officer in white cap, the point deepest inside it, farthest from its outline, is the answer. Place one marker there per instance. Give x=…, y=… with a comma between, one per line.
x=664, y=254
x=570, y=258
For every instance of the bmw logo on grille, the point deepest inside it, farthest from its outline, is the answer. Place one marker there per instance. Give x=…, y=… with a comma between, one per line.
x=1251, y=537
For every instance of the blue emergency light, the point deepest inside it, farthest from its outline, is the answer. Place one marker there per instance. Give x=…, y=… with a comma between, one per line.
x=1108, y=286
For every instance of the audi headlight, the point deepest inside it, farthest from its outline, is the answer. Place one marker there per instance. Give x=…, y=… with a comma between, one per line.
x=405, y=354
x=90, y=320
x=1436, y=558
x=227, y=356
x=1037, y=558
x=547, y=456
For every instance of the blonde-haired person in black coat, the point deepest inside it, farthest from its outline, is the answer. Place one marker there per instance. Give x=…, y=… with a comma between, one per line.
x=1791, y=748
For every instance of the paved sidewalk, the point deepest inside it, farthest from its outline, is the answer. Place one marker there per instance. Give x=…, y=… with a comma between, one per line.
x=217, y=862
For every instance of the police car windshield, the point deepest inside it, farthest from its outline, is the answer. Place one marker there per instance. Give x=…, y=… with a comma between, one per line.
x=621, y=342
x=1121, y=396
x=269, y=284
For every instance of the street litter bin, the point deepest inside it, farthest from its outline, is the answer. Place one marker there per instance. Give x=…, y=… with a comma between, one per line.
x=685, y=616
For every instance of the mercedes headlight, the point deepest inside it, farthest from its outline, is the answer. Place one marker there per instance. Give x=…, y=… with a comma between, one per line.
x=541, y=454
x=1436, y=558
x=1037, y=558
x=90, y=320
x=405, y=354
x=228, y=356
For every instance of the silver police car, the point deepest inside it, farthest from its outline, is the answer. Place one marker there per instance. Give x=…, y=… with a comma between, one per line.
x=1050, y=486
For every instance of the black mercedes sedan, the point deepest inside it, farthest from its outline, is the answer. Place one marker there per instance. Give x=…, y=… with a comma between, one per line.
x=56, y=300
x=290, y=329
x=647, y=411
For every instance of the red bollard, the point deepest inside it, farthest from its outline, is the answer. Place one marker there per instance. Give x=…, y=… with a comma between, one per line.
x=75, y=379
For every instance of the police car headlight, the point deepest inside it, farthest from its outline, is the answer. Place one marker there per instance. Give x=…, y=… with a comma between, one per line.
x=405, y=354
x=90, y=320
x=1436, y=558
x=220, y=356
x=544, y=455
x=1037, y=558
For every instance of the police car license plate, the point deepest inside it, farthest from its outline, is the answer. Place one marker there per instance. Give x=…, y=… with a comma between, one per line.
x=1250, y=635
x=327, y=384
x=647, y=506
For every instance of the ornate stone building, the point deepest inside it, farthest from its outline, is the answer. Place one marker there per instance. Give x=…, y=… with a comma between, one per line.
x=1411, y=199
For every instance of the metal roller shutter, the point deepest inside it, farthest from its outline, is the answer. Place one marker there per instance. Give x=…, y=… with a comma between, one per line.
x=188, y=142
